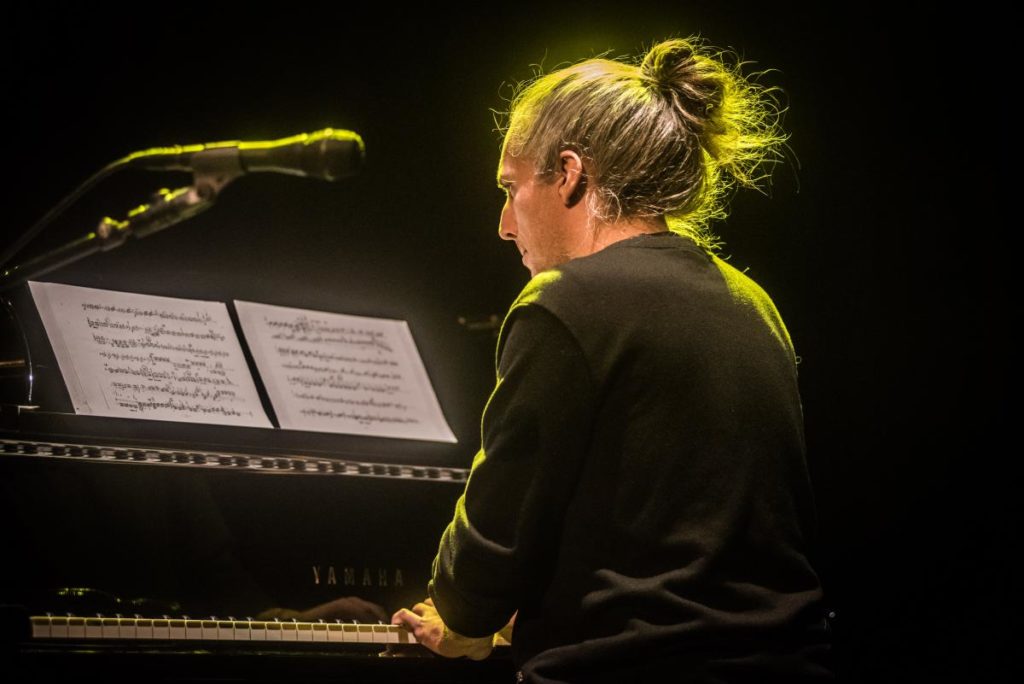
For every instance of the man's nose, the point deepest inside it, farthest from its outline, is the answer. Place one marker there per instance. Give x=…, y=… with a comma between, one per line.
x=507, y=224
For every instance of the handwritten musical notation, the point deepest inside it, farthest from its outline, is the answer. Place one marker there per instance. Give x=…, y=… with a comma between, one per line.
x=140, y=356
x=329, y=372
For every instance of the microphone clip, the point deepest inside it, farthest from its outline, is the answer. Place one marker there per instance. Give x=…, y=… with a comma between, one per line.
x=214, y=168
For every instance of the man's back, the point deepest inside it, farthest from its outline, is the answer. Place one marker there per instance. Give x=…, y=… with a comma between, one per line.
x=675, y=503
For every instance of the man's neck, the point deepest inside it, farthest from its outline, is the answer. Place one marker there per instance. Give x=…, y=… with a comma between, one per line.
x=606, y=234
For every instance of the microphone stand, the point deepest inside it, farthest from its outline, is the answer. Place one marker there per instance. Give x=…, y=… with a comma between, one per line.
x=212, y=172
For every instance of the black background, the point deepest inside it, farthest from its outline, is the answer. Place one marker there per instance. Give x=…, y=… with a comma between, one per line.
x=880, y=245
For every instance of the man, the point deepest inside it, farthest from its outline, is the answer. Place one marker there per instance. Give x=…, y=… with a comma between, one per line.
x=640, y=502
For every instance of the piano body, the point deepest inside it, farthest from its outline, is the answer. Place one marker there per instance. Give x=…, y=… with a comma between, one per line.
x=163, y=550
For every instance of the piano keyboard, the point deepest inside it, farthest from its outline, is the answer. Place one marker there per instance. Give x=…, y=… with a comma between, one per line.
x=186, y=629
x=291, y=464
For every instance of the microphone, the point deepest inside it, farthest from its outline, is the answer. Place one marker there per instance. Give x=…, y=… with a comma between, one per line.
x=328, y=154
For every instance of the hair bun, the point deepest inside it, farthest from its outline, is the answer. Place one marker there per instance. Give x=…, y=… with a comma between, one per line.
x=677, y=69
x=665, y=59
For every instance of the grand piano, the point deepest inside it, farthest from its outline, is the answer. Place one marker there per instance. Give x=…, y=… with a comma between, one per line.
x=146, y=549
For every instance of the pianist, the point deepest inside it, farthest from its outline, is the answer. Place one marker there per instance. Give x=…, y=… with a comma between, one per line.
x=640, y=501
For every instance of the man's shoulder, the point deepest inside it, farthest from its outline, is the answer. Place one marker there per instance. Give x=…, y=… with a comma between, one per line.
x=746, y=292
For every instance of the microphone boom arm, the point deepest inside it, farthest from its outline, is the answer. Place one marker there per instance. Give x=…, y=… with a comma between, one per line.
x=168, y=208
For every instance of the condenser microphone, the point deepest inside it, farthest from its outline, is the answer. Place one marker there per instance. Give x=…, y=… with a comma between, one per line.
x=329, y=154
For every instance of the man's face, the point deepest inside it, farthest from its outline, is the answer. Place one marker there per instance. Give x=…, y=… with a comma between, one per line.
x=534, y=216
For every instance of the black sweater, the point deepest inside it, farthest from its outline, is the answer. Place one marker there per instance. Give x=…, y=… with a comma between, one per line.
x=641, y=495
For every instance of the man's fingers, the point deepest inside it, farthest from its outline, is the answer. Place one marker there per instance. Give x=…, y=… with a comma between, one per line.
x=406, y=618
x=424, y=608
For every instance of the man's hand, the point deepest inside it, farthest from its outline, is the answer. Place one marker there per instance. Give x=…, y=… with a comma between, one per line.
x=429, y=629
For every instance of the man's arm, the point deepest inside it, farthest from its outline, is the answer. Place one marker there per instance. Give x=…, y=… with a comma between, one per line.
x=507, y=525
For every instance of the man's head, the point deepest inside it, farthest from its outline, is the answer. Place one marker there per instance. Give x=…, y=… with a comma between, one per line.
x=543, y=214
x=605, y=142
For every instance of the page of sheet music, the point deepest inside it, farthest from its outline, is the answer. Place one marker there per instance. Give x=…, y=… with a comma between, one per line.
x=139, y=356
x=329, y=372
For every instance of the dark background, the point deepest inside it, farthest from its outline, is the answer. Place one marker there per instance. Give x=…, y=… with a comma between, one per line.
x=879, y=242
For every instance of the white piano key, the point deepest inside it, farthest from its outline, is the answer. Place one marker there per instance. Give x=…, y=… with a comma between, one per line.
x=194, y=629
x=243, y=630
x=41, y=627
x=143, y=628
x=304, y=631
x=126, y=628
x=93, y=628
x=209, y=630
x=319, y=631
x=76, y=628
x=177, y=629
x=365, y=634
x=289, y=631
x=111, y=628
x=59, y=627
x=274, y=631
x=226, y=631
x=161, y=629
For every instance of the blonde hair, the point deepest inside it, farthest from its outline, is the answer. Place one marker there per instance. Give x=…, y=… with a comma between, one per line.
x=667, y=136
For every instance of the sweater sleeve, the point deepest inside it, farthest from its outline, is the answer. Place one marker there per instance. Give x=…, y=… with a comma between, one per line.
x=535, y=430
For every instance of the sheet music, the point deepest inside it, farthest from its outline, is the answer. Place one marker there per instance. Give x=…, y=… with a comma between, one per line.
x=139, y=356
x=329, y=372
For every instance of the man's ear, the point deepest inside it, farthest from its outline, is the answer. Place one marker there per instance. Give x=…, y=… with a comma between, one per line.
x=573, y=183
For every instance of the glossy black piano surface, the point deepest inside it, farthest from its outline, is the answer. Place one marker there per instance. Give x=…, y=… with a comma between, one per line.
x=103, y=530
